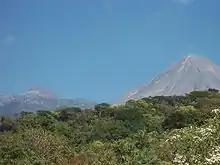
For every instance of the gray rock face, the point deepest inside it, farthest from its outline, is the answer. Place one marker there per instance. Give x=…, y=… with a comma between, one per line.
x=191, y=73
x=35, y=100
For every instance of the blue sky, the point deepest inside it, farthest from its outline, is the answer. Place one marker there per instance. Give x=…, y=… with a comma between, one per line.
x=100, y=49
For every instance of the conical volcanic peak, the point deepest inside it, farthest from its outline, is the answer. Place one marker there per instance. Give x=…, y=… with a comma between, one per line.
x=196, y=62
x=190, y=73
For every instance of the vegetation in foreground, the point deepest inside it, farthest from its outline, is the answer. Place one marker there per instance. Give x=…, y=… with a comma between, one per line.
x=177, y=130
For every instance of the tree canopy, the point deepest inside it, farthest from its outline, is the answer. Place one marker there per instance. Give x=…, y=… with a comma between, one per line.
x=162, y=130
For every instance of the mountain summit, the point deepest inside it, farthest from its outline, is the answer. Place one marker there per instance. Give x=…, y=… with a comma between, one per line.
x=191, y=73
x=39, y=91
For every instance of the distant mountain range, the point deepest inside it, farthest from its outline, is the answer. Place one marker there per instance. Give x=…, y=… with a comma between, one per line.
x=38, y=99
x=189, y=74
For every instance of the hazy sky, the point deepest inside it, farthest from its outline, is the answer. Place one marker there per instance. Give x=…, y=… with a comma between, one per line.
x=100, y=49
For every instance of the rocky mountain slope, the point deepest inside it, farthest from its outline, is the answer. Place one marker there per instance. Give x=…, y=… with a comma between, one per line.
x=191, y=73
x=37, y=99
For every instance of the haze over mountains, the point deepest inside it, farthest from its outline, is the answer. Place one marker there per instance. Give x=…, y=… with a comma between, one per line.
x=191, y=73
x=38, y=99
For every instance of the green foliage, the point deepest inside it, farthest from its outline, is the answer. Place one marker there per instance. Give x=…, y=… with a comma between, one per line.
x=199, y=94
x=109, y=130
x=6, y=124
x=213, y=90
x=193, y=145
x=33, y=146
x=162, y=130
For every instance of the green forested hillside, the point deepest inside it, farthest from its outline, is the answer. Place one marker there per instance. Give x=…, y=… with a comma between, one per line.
x=177, y=130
